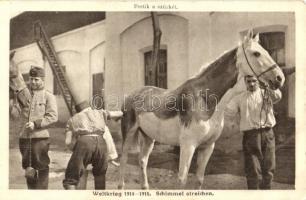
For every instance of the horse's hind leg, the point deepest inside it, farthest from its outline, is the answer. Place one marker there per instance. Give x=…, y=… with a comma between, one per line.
x=130, y=139
x=204, y=154
x=146, y=147
x=186, y=153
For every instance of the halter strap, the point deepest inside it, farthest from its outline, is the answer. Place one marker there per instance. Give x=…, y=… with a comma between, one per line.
x=257, y=76
x=269, y=69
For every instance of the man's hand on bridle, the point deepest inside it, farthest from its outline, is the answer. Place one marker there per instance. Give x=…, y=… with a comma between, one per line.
x=30, y=125
x=263, y=85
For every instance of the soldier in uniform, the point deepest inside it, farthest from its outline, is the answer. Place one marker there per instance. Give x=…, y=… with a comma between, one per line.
x=34, y=137
x=94, y=145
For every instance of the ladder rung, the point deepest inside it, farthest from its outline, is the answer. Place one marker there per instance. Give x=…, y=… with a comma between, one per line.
x=67, y=97
x=62, y=79
x=52, y=59
x=60, y=74
x=59, y=71
x=65, y=85
x=66, y=91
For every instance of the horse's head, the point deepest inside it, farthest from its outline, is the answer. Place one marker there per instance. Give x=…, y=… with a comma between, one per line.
x=13, y=66
x=253, y=59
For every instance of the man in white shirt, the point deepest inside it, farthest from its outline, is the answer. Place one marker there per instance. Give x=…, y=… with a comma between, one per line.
x=255, y=107
x=94, y=145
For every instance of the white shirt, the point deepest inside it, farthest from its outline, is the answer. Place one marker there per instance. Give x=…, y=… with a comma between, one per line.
x=88, y=121
x=253, y=114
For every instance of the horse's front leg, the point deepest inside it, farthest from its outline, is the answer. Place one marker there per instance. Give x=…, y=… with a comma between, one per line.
x=186, y=153
x=146, y=147
x=204, y=154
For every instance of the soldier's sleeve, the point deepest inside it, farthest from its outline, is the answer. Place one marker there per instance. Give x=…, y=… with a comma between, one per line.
x=275, y=95
x=116, y=115
x=105, y=113
x=112, y=114
x=51, y=114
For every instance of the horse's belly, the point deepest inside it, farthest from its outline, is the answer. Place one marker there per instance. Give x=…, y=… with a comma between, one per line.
x=166, y=131
x=202, y=132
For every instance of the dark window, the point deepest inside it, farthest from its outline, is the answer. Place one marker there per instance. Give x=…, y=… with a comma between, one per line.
x=97, y=89
x=56, y=87
x=156, y=77
x=274, y=43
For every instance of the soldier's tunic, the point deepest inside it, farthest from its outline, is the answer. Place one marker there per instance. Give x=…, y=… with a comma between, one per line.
x=34, y=144
x=43, y=112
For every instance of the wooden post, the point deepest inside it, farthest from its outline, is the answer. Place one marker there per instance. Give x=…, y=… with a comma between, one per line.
x=156, y=45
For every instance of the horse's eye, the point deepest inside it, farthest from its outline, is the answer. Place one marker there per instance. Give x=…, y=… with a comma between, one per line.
x=256, y=54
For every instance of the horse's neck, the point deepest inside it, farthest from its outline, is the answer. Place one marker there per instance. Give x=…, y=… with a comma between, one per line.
x=230, y=93
x=217, y=80
x=21, y=92
x=17, y=83
x=227, y=97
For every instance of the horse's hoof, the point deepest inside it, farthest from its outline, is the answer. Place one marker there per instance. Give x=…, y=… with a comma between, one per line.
x=145, y=187
x=199, y=187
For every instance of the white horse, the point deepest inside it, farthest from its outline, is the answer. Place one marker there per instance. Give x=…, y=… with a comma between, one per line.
x=20, y=96
x=192, y=116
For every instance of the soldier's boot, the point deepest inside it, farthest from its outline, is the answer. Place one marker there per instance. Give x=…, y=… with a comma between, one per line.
x=100, y=182
x=31, y=183
x=43, y=179
x=83, y=181
x=70, y=187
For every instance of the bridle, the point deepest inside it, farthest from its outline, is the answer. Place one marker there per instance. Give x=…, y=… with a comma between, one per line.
x=258, y=76
x=262, y=73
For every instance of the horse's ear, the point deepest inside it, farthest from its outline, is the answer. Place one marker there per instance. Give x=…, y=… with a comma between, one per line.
x=256, y=38
x=12, y=54
x=249, y=36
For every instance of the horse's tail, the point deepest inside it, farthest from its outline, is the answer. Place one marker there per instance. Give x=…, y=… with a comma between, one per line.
x=129, y=118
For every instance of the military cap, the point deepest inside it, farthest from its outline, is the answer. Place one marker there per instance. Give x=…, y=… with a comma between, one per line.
x=37, y=71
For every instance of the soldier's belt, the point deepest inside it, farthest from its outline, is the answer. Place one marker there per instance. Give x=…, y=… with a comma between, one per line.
x=86, y=133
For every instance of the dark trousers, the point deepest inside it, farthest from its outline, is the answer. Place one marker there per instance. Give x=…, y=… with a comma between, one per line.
x=39, y=153
x=87, y=150
x=38, y=147
x=259, y=157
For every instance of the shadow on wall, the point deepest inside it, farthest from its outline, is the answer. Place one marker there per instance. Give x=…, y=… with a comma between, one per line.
x=63, y=112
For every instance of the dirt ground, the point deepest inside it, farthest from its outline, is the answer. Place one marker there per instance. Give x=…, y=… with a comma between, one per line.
x=224, y=170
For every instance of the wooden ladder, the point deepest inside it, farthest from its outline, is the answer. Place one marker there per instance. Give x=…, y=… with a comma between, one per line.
x=47, y=49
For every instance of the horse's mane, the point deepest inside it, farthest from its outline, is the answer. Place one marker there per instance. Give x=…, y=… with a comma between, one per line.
x=207, y=68
x=215, y=67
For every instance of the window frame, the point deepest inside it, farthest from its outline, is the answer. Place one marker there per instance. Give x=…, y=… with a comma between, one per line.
x=161, y=76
